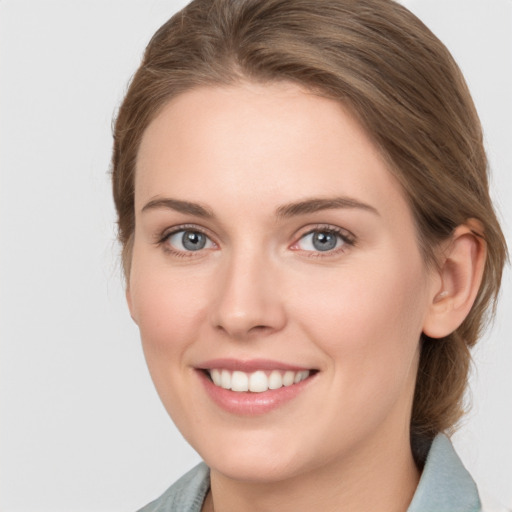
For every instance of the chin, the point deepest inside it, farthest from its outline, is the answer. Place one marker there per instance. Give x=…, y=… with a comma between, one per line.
x=263, y=469
x=254, y=458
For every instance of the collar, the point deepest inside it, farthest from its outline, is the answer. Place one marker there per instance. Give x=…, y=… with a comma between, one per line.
x=445, y=484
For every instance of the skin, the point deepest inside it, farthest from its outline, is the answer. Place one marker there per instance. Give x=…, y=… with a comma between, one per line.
x=260, y=289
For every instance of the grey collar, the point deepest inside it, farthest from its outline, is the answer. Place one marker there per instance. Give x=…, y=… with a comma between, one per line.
x=445, y=484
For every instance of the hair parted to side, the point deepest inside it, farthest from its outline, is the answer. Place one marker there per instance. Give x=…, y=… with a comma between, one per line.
x=398, y=79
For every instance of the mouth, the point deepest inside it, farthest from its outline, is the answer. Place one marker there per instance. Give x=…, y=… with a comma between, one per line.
x=257, y=381
x=254, y=387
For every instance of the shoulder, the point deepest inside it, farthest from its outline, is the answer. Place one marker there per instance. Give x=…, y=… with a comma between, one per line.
x=185, y=495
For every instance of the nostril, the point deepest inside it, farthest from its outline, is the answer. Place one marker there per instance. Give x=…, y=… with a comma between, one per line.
x=240, y=332
x=259, y=329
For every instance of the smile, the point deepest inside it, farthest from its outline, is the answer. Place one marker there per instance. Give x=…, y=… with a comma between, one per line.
x=254, y=387
x=258, y=381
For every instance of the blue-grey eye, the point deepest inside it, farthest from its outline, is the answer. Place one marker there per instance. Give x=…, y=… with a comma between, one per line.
x=189, y=240
x=321, y=241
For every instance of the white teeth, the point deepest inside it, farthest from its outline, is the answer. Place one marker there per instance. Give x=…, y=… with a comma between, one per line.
x=239, y=381
x=216, y=377
x=300, y=376
x=275, y=381
x=225, y=379
x=256, y=382
x=288, y=378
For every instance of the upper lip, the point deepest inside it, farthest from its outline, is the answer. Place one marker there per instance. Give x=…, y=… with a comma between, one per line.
x=249, y=365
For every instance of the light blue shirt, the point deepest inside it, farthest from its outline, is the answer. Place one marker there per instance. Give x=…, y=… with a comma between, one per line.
x=445, y=486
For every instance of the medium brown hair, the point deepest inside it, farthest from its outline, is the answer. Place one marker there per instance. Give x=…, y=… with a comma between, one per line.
x=403, y=85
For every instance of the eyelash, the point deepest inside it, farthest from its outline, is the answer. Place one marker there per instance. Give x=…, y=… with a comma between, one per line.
x=346, y=237
x=177, y=229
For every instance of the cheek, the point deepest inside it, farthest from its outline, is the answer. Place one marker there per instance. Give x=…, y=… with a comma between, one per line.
x=367, y=316
x=169, y=308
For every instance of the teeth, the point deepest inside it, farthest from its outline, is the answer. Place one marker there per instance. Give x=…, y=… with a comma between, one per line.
x=239, y=381
x=225, y=379
x=288, y=378
x=256, y=382
x=275, y=381
x=216, y=377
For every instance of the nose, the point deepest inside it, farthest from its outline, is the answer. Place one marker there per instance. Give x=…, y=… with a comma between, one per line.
x=247, y=299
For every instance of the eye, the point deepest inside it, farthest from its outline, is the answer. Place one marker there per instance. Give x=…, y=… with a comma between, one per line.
x=322, y=240
x=188, y=240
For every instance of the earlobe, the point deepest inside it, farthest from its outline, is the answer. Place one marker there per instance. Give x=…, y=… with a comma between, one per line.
x=461, y=272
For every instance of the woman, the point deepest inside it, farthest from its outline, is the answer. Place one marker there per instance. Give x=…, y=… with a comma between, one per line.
x=310, y=251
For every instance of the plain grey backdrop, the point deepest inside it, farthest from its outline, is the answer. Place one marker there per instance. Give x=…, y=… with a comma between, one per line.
x=81, y=427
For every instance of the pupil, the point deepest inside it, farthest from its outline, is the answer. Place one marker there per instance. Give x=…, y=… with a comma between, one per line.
x=193, y=241
x=324, y=241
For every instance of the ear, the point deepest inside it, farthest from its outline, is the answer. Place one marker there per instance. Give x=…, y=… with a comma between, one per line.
x=461, y=270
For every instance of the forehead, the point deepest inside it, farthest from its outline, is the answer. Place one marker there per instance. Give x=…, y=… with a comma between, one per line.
x=252, y=140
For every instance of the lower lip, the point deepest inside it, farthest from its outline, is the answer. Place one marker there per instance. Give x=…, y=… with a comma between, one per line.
x=252, y=404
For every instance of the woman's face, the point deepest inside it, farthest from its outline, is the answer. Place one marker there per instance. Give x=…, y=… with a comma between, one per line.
x=274, y=251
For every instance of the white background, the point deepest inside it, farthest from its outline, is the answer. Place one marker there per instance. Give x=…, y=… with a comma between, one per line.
x=81, y=426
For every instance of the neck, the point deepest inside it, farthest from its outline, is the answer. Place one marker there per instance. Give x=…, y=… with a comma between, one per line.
x=380, y=477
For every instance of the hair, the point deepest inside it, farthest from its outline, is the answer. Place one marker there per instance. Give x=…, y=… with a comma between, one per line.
x=379, y=60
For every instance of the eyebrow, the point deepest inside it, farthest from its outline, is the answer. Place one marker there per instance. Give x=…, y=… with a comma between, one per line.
x=318, y=204
x=180, y=206
x=288, y=210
